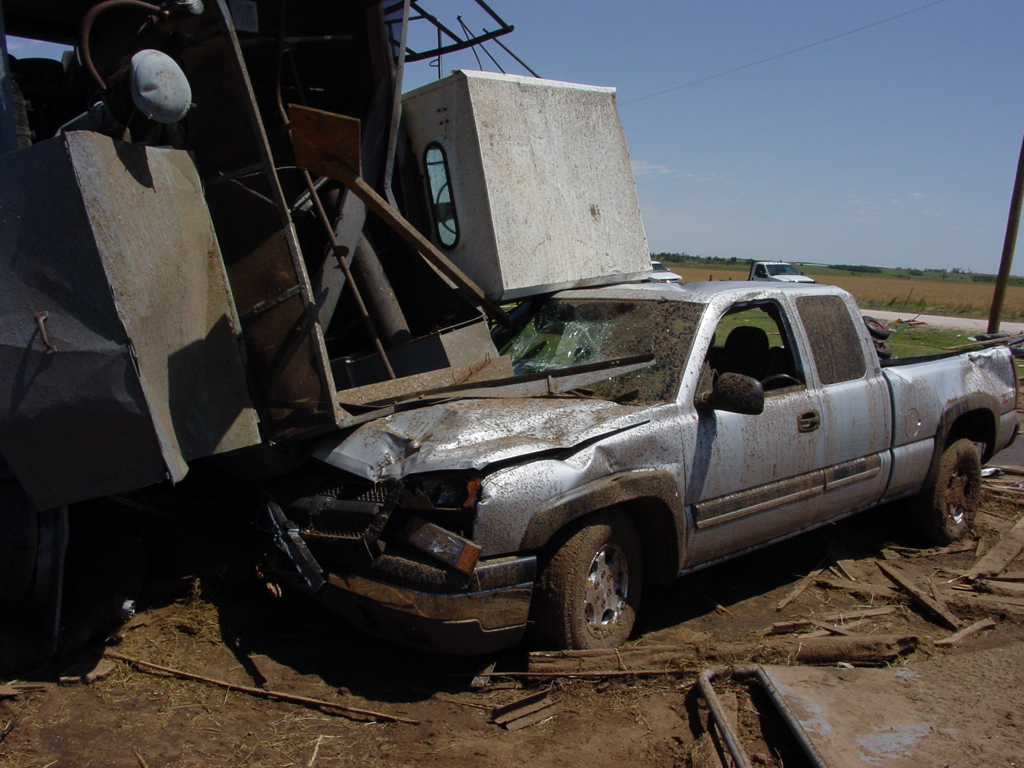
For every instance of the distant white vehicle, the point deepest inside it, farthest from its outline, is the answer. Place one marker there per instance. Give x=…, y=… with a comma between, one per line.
x=662, y=274
x=777, y=272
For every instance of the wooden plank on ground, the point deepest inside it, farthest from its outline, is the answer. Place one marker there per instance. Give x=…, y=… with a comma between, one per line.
x=1004, y=588
x=996, y=603
x=798, y=590
x=783, y=627
x=856, y=588
x=966, y=632
x=1001, y=555
x=920, y=597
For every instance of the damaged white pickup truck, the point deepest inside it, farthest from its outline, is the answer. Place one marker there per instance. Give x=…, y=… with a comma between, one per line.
x=649, y=431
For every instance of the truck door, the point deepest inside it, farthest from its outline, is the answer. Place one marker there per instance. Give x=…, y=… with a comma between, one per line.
x=753, y=478
x=855, y=408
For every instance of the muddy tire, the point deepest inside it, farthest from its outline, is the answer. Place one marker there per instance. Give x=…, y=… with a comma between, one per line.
x=882, y=349
x=877, y=328
x=945, y=512
x=588, y=593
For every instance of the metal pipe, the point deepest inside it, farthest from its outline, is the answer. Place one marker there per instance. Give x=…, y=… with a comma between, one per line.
x=396, y=107
x=790, y=718
x=506, y=50
x=718, y=715
x=86, y=28
x=1009, y=243
x=339, y=251
x=380, y=296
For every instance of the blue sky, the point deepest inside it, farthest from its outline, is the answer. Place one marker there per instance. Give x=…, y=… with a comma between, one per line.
x=892, y=146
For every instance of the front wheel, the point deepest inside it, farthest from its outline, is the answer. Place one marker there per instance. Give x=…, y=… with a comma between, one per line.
x=946, y=510
x=587, y=595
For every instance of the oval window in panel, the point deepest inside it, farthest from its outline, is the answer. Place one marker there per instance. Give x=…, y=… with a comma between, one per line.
x=441, y=201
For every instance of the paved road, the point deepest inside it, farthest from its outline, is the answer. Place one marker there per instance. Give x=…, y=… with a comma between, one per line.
x=969, y=324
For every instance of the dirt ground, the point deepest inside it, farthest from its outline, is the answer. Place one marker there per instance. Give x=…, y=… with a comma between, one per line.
x=971, y=694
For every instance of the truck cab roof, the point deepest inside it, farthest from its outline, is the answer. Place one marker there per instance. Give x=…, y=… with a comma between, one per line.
x=702, y=293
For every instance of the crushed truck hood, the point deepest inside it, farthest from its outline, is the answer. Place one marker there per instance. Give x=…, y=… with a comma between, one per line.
x=472, y=434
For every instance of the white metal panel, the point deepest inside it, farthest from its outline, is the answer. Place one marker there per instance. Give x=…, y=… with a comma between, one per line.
x=541, y=180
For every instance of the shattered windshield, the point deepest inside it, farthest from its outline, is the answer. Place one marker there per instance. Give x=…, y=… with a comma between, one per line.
x=570, y=332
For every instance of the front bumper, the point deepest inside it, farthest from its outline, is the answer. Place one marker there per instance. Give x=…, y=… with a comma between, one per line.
x=421, y=606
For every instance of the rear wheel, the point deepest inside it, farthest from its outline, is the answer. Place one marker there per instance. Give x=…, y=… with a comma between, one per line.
x=587, y=595
x=946, y=511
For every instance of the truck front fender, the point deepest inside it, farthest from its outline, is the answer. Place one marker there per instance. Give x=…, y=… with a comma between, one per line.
x=651, y=497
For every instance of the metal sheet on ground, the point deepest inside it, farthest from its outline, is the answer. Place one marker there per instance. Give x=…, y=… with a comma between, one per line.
x=905, y=717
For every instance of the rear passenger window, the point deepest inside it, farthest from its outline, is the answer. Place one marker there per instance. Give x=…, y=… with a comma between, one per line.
x=838, y=355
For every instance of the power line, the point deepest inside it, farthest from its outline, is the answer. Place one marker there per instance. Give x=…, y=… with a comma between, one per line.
x=787, y=53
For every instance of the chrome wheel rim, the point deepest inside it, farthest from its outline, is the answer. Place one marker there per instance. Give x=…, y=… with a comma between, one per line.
x=606, y=590
x=958, y=491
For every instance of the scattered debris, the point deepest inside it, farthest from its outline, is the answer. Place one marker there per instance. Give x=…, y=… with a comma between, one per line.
x=483, y=680
x=868, y=591
x=8, y=728
x=1006, y=588
x=975, y=628
x=801, y=585
x=141, y=759
x=995, y=603
x=912, y=552
x=784, y=627
x=703, y=754
x=14, y=690
x=931, y=604
x=1001, y=555
x=857, y=649
x=854, y=649
x=533, y=709
x=146, y=666
x=829, y=629
x=87, y=671
x=699, y=592
x=844, y=563
x=992, y=472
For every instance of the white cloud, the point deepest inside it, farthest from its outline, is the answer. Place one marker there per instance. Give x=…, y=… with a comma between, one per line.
x=644, y=168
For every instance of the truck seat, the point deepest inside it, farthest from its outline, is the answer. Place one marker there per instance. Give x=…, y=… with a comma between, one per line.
x=746, y=350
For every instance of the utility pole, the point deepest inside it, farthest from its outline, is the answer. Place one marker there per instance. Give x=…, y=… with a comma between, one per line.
x=1009, y=242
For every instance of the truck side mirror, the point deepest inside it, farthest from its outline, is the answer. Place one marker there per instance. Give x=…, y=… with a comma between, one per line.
x=732, y=392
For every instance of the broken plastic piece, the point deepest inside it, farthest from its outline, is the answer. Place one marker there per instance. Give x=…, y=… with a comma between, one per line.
x=451, y=549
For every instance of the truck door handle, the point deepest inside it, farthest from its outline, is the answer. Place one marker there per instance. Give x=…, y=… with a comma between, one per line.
x=808, y=421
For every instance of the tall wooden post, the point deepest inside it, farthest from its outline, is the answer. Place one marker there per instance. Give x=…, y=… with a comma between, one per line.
x=1008, y=245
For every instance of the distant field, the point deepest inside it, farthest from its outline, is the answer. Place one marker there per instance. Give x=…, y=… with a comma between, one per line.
x=960, y=298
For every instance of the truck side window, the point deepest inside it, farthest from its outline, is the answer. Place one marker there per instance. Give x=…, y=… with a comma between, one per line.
x=834, y=340
x=759, y=271
x=756, y=344
x=441, y=201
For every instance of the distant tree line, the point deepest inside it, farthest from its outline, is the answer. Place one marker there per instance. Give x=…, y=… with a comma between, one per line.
x=857, y=268
x=682, y=258
x=992, y=279
x=677, y=258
